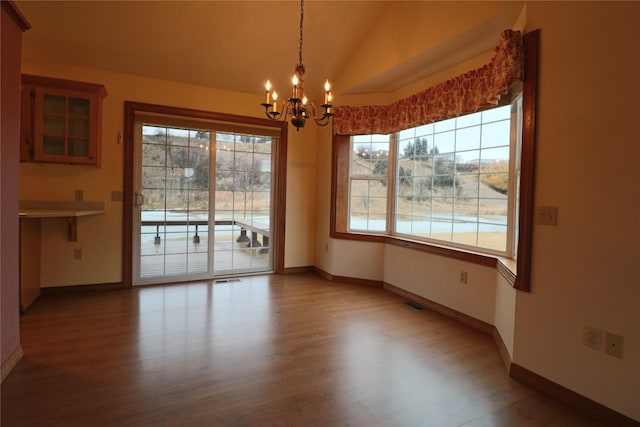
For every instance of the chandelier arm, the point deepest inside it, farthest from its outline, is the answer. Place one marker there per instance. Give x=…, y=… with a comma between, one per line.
x=326, y=115
x=275, y=115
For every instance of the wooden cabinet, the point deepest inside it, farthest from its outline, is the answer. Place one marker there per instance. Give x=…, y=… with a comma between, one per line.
x=60, y=121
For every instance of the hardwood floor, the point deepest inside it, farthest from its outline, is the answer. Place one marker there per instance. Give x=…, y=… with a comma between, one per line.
x=291, y=350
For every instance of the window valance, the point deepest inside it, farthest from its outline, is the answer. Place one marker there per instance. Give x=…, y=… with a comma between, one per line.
x=461, y=95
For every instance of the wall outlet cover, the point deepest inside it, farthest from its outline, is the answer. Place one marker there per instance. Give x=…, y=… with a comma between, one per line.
x=614, y=344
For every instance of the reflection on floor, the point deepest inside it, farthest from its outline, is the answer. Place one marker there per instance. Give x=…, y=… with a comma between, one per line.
x=277, y=350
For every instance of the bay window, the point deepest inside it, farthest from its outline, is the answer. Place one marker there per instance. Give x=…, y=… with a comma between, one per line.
x=448, y=170
x=450, y=182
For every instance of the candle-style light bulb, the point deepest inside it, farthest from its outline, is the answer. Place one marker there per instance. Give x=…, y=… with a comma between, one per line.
x=327, y=88
x=304, y=100
x=275, y=97
x=294, y=80
x=267, y=86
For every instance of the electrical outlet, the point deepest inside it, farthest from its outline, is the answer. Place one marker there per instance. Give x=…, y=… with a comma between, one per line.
x=547, y=215
x=79, y=196
x=613, y=344
x=463, y=277
x=77, y=254
x=592, y=338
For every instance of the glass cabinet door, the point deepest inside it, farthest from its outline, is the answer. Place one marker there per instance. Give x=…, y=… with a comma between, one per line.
x=66, y=124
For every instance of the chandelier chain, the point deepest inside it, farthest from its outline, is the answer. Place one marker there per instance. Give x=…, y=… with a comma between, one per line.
x=301, y=21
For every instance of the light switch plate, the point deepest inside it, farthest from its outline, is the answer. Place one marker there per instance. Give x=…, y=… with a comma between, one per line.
x=116, y=196
x=547, y=215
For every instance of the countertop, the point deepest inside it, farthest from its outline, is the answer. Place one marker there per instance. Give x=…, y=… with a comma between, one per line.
x=58, y=209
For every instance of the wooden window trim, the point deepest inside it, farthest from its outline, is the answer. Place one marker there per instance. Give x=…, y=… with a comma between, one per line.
x=520, y=278
x=527, y=161
x=130, y=110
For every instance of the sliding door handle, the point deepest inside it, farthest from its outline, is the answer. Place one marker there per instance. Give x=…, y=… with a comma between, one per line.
x=138, y=199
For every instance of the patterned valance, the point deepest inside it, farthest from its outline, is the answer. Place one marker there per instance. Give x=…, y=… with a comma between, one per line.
x=461, y=95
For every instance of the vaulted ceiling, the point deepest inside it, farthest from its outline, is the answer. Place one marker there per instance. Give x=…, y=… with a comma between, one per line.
x=237, y=45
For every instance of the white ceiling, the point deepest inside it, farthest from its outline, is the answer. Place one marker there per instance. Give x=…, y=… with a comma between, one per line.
x=237, y=45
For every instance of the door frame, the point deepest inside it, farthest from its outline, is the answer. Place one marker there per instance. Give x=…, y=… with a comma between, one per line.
x=279, y=177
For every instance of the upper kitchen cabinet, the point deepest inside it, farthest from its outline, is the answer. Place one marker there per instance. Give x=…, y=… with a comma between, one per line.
x=60, y=121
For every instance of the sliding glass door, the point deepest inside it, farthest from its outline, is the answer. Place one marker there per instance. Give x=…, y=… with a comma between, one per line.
x=202, y=200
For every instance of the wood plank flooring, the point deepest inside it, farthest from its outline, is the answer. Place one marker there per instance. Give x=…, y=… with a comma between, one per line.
x=290, y=350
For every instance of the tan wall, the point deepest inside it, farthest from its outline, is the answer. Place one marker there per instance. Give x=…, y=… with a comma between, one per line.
x=100, y=236
x=438, y=278
x=583, y=269
x=587, y=145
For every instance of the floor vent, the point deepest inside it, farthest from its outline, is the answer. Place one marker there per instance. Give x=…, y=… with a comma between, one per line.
x=414, y=305
x=227, y=281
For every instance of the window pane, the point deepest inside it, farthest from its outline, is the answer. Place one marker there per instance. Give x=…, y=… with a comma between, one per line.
x=53, y=104
x=53, y=125
x=369, y=171
x=404, y=208
x=359, y=188
x=465, y=232
x=495, y=239
x=469, y=187
x=496, y=134
x=444, y=142
x=468, y=120
x=441, y=229
x=499, y=113
x=79, y=107
x=424, y=130
x=378, y=207
x=225, y=142
x=244, y=143
x=177, y=136
x=78, y=147
x=79, y=127
x=493, y=155
x=360, y=167
x=177, y=159
x=153, y=134
x=445, y=125
x=468, y=139
x=53, y=145
x=199, y=139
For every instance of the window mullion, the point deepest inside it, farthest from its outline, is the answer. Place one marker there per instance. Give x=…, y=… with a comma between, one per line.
x=392, y=174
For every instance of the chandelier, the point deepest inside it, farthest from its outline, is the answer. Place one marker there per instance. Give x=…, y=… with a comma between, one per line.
x=298, y=106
